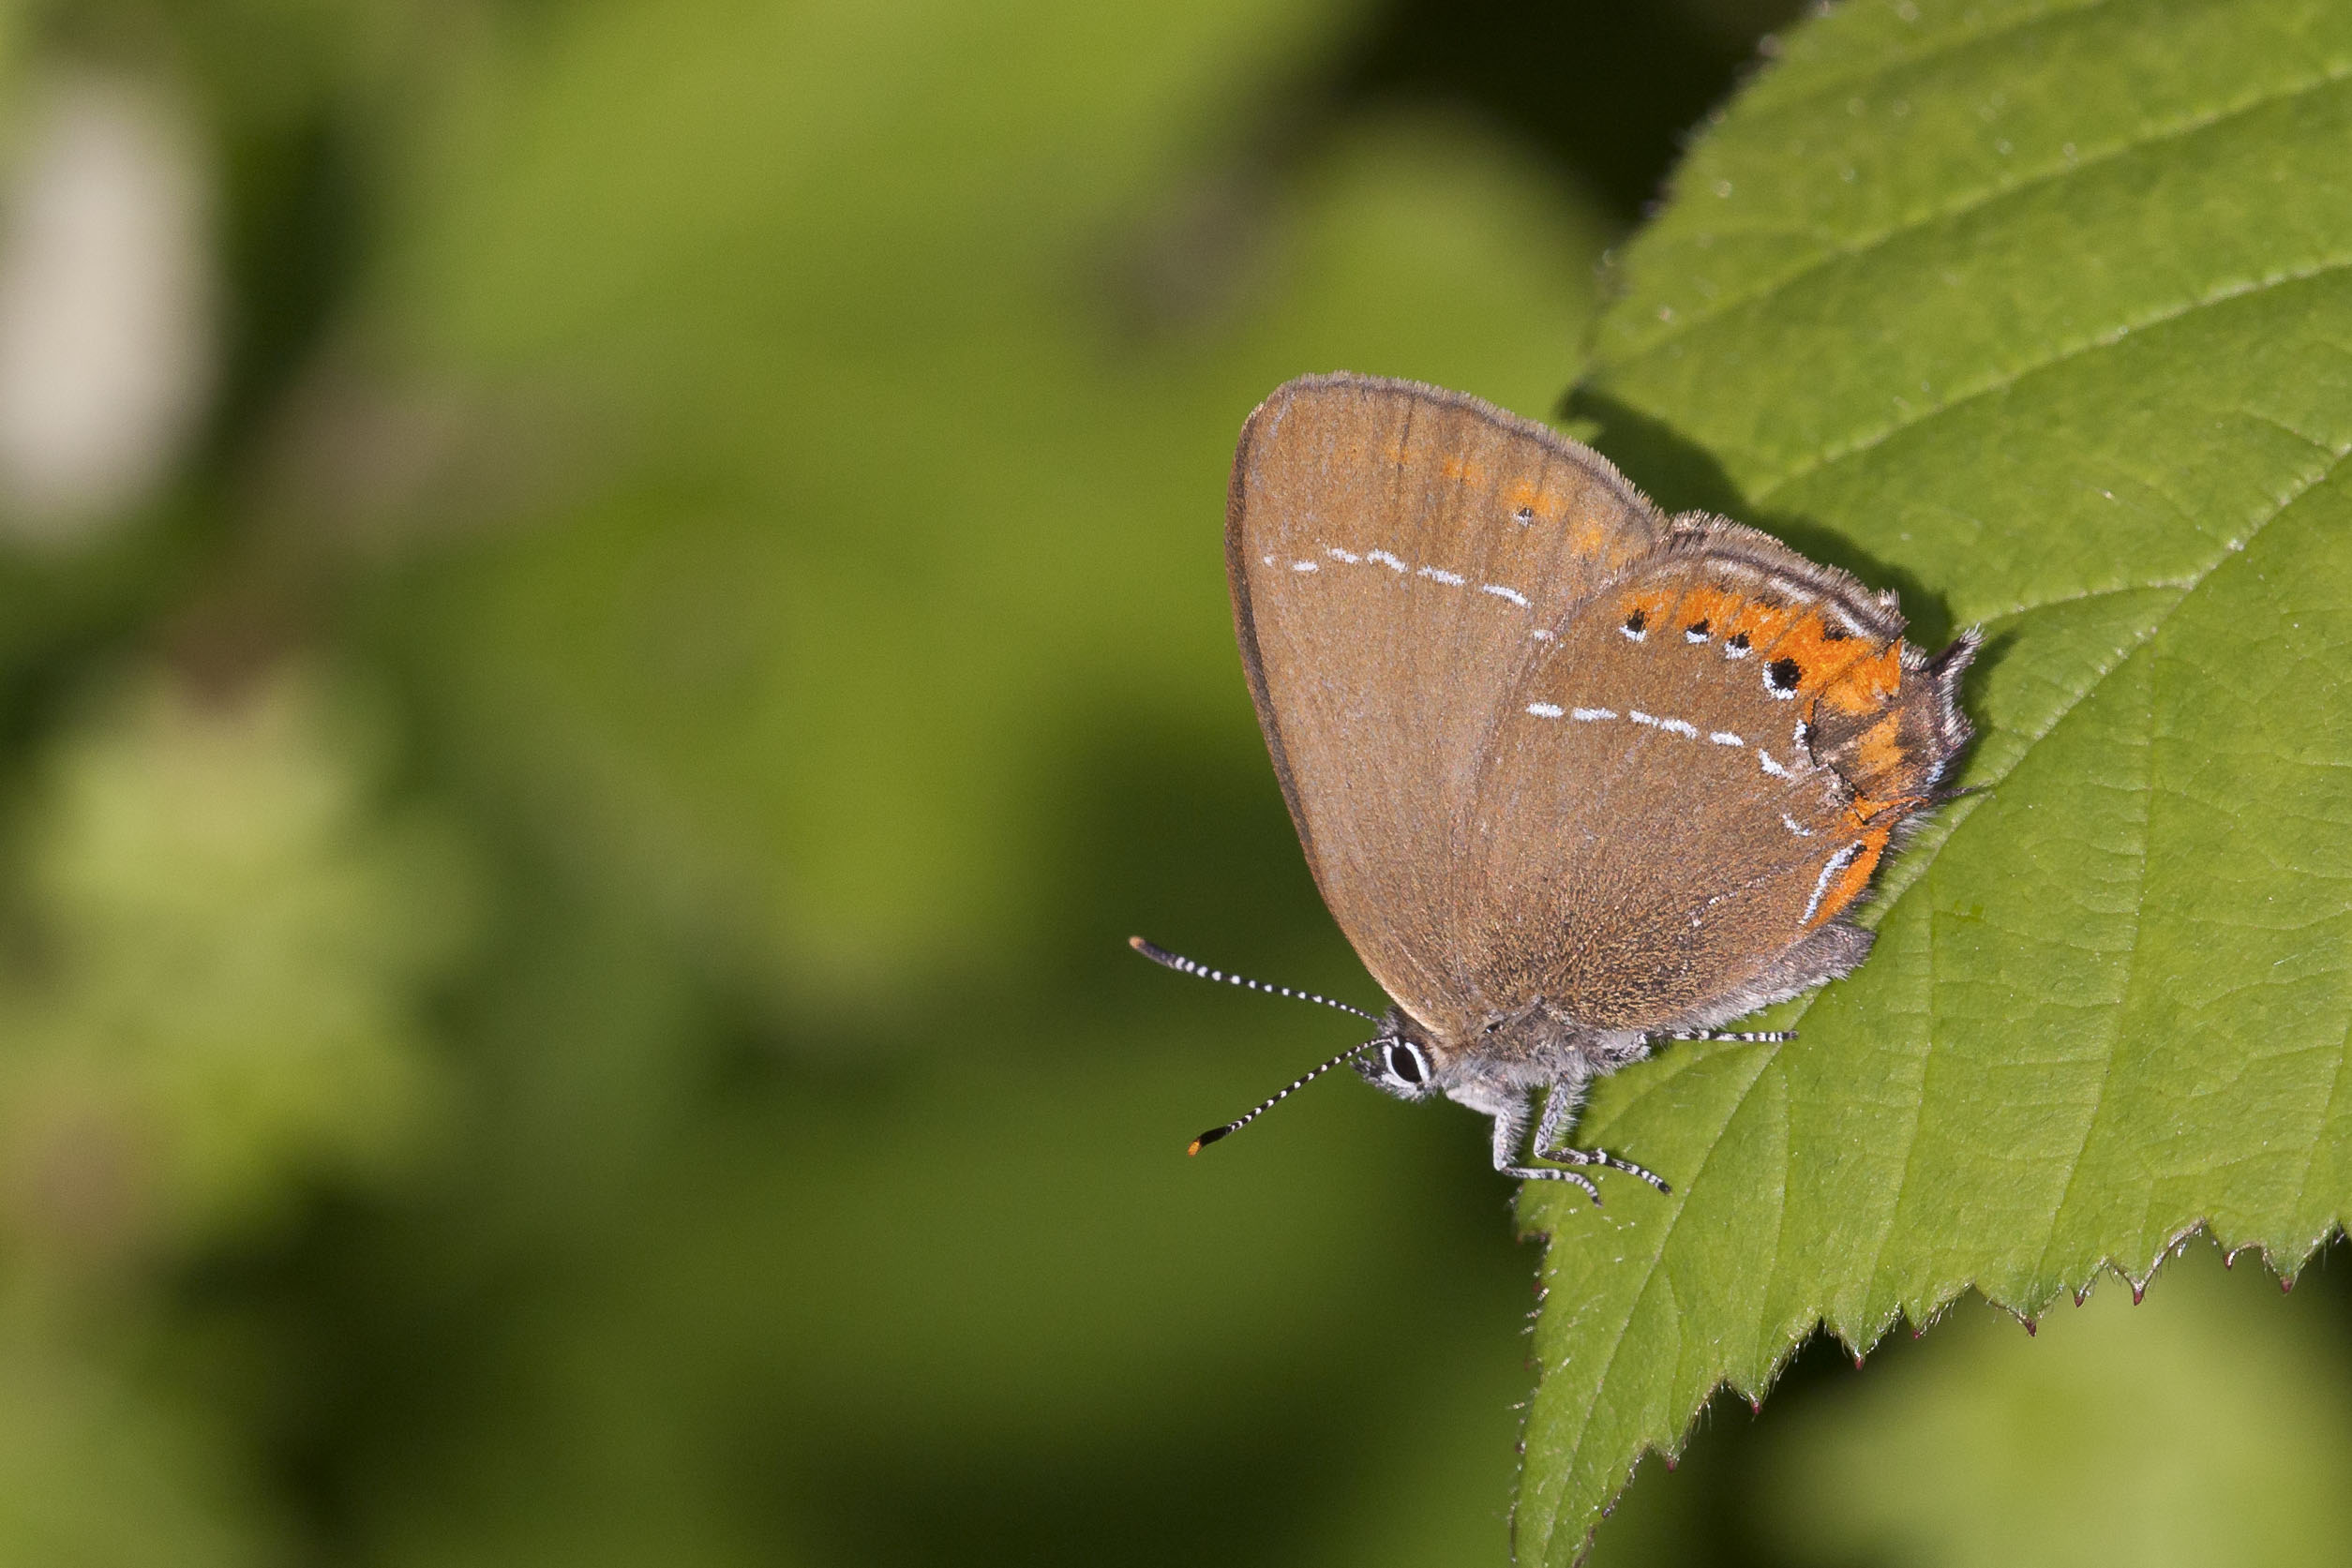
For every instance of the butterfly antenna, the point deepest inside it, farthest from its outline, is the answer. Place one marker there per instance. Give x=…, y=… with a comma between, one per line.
x=1183, y=965
x=1205, y=1139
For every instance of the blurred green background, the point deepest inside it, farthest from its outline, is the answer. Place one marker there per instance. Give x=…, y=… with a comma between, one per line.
x=609, y=614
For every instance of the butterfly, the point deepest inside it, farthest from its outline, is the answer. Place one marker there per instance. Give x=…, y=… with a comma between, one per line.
x=1574, y=777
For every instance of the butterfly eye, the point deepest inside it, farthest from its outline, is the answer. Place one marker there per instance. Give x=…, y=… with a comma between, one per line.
x=1405, y=1063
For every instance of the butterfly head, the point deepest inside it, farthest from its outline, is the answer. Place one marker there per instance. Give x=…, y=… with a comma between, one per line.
x=1399, y=1063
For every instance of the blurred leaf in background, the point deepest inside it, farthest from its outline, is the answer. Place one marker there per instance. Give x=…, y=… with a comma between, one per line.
x=218, y=950
x=100, y=1464
x=2206, y=1424
x=891, y=386
x=222, y=955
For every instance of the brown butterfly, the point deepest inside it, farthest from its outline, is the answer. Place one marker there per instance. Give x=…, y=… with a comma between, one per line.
x=1573, y=776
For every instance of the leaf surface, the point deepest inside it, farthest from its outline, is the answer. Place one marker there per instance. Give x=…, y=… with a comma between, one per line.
x=2039, y=313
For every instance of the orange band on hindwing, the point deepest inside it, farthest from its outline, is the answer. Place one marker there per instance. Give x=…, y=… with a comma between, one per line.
x=1868, y=683
x=1761, y=624
x=1880, y=752
x=1645, y=611
x=1820, y=655
x=1710, y=610
x=1873, y=823
x=1854, y=878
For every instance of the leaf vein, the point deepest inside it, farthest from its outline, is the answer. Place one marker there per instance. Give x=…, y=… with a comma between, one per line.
x=1984, y=196
x=2129, y=957
x=2002, y=381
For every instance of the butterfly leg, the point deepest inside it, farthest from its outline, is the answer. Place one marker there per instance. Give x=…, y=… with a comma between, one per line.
x=1755, y=1037
x=1510, y=1130
x=1560, y=1107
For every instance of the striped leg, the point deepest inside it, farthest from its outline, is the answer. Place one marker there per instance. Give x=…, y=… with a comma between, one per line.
x=1560, y=1107
x=1510, y=1130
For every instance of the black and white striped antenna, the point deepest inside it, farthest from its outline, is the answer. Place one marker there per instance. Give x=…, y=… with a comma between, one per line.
x=1183, y=965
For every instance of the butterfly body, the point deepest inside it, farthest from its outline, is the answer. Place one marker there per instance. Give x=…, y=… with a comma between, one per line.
x=1571, y=774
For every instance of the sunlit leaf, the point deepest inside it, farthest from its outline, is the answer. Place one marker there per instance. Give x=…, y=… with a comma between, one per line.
x=2040, y=313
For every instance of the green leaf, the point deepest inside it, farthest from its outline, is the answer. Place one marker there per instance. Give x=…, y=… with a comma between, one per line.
x=231, y=937
x=97, y=1466
x=2038, y=312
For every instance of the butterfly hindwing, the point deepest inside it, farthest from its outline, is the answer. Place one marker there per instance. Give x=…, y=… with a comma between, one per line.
x=1657, y=842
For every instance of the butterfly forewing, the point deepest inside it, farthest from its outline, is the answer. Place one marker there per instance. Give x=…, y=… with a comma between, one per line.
x=1399, y=559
